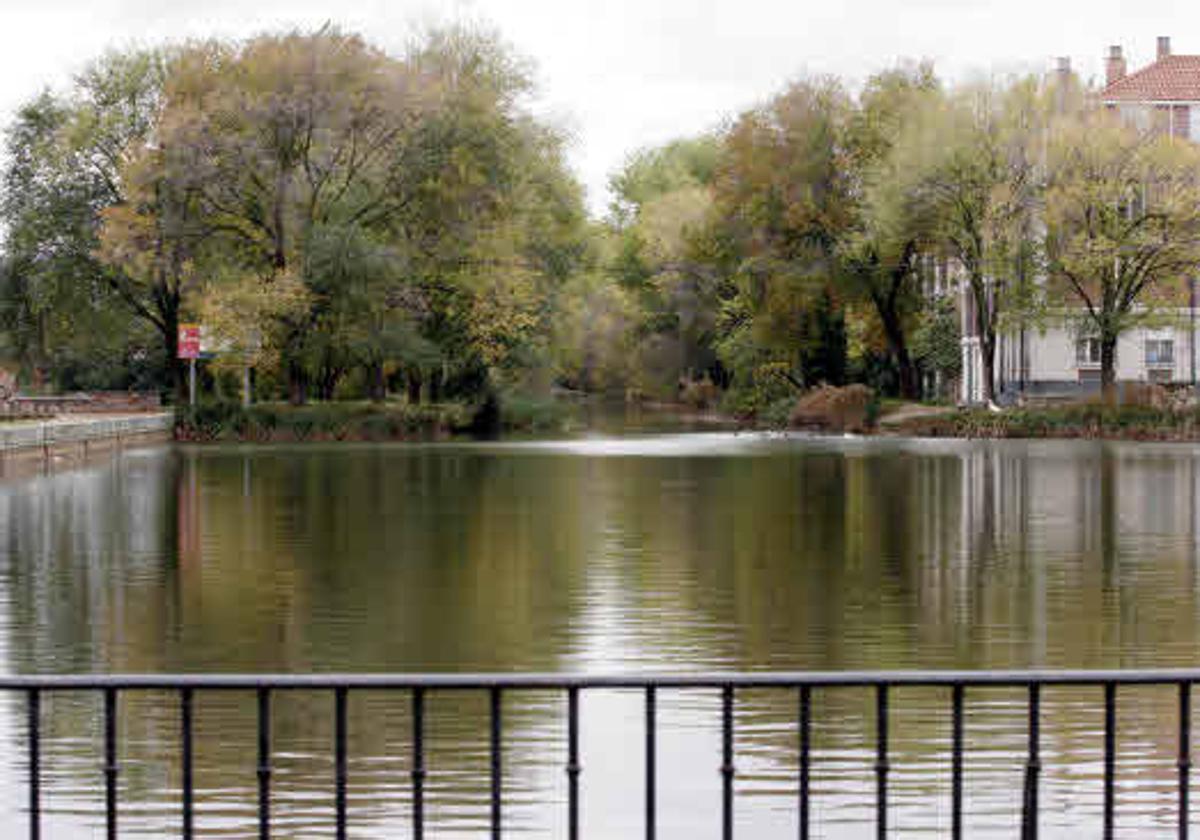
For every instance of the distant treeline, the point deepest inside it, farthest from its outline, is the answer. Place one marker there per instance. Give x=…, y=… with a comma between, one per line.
x=357, y=224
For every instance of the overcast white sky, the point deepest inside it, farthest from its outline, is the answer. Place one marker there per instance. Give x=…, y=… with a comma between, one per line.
x=627, y=73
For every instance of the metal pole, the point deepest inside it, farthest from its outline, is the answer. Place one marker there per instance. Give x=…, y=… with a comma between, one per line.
x=192, y=382
x=1192, y=340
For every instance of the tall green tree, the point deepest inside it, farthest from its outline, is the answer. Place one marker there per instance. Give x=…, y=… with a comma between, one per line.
x=660, y=222
x=878, y=255
x=783, y=198
x=1122, y=214
x=65, y=156
x=972, y=167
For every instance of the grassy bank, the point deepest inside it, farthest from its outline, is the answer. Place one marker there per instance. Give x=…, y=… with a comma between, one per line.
x=1080, y=420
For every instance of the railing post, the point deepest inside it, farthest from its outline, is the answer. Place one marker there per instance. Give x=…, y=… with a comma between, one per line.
x=497, y=789
x=110, y=762
x=805, y=756
x=35, y=764
x=881, y=760
x=1033, y=766
x=1110, y=757
x=651, y=771
x=727, y=769
x=264, y=763
x=956, y=781
x=185, y=726
x=418, y=770
x=573, y=767
x=1185, y=755
x=339, y=761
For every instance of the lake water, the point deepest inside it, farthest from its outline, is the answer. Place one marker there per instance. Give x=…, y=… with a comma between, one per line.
x=707, y=551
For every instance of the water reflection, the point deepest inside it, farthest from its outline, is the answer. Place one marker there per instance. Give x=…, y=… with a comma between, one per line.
x=656, y=553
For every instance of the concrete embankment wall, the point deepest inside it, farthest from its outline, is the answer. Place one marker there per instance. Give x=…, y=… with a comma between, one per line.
x=77, y=439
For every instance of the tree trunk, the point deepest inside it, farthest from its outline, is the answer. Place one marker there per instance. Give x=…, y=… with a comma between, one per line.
x=435, y=385
x=1108, y=368
x=910, y=385
x=376, y=382
x=297, y=383
x=328, y=378
x=414, y=386
x=985, y=321
x=170, y=338
x=987, y=357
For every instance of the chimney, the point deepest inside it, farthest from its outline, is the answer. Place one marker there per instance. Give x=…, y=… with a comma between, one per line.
x=1164, y=46
x=1062, y=82
x=1114, y=67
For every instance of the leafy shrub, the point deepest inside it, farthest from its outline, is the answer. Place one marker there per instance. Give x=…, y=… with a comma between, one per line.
x=852, y=408
x=533, y=414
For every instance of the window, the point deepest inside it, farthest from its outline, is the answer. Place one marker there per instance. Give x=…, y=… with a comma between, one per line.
x=1160, y=352
x=1087, y=351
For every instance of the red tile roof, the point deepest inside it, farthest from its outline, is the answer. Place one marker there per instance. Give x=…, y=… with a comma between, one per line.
x=1175, y=78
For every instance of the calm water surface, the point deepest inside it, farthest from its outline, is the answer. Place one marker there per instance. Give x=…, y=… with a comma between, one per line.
x=665, y=553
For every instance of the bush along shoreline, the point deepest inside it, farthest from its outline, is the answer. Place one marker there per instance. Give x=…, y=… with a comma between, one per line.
x=230, y=422
x=1095, y=421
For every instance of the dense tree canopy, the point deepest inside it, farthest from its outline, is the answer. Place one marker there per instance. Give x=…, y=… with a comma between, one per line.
x=354, y=223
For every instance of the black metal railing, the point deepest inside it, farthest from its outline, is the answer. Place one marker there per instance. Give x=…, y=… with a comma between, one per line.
x=497, y=685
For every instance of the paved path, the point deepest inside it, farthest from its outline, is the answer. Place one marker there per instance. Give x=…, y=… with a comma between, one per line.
x=913, y=412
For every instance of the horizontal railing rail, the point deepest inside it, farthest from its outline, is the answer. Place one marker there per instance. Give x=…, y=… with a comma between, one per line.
x=418, y=686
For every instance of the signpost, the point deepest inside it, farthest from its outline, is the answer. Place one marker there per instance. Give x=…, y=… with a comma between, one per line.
x=189, y=348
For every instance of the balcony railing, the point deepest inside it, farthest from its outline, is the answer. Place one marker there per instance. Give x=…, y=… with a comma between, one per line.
x=884, y=685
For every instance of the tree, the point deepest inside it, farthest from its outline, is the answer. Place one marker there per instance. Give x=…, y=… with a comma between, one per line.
x=783, y=200
x=972, y=165
x=660, y=223
x=1122, y=224
x=69, y=314
x=878, y=256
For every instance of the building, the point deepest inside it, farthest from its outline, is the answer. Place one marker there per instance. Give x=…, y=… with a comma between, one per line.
x=1162, y=96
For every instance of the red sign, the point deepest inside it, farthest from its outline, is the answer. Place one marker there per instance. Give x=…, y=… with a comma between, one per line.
x=189, y=341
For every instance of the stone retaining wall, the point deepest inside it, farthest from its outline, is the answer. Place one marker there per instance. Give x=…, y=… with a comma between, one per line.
x=78, y=438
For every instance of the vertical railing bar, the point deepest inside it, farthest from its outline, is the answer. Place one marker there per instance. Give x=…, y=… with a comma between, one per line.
x=497, y=789
x=339, y=761
x=418, y=770
x=727, y=770
x=1110, y=757
x=573, y=767
x=186, y=759
x=35, y=763
x=264, y=763
x=1033, y=766
x=881, y=759
x=1185, y=756
x=110, y=762
x=651, y=760
x=805, y=756
x=956, y=782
